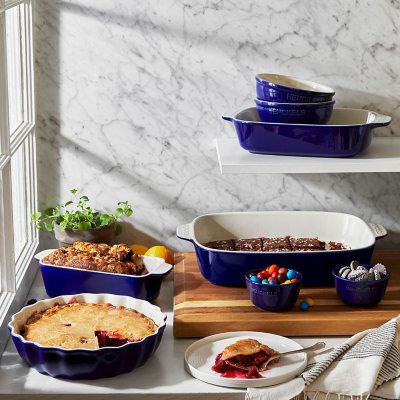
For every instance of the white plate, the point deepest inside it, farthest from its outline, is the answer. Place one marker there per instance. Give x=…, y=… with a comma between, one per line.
x=200, y=357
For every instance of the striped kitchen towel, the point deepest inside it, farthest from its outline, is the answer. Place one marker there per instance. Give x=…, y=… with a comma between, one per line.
x=366, y=366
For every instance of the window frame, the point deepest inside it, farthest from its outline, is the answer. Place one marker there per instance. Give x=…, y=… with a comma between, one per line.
x=17, y=273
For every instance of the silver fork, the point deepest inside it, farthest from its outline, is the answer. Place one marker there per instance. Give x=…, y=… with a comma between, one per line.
x=316, y=346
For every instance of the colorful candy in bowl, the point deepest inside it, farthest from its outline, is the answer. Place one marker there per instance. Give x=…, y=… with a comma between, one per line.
x=273, y=288
x=361, y=284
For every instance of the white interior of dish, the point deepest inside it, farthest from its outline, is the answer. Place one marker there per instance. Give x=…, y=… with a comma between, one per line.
x=292, y=82
x=149, y=310
x=339, y=117
x=326, y=226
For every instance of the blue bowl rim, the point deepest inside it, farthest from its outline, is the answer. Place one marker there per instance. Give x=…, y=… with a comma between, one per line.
x=328, y=90
x=19, y=337
x=336, y=269
x=299, y=280
x=277, y=104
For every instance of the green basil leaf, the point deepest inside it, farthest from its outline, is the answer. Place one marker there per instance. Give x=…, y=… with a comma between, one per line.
x=48, y=226
x=35, y=216
x=84, y=226
x=118, y=229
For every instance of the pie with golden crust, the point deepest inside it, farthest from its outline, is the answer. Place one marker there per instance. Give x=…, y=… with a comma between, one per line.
x=243, y=359
x=88, y=326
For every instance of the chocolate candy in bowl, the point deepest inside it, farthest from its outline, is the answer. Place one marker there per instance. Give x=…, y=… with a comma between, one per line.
x=294, y=113
x=361, y=285
x=85, y=363
x=289, y=89
x=273, y=293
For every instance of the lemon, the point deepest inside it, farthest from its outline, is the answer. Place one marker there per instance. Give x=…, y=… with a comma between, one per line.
x=138, y=249
x=162, y=252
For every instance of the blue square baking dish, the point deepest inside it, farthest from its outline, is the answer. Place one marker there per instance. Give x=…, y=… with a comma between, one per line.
x=228, y=268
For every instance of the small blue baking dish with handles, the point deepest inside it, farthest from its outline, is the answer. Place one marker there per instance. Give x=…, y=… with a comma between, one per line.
x=59, y=280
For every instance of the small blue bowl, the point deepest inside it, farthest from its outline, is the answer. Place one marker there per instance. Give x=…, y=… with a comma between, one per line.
x=273, y=297
x=294, y=113
x=288, y=89
x=360, y=293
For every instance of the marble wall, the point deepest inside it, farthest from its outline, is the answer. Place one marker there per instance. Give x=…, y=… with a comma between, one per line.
x=130, y=96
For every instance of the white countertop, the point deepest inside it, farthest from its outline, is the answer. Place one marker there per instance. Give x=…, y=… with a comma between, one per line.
x=162, y=377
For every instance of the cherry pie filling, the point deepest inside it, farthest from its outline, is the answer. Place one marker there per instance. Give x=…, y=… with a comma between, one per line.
x=110, y=339
x=243, y=366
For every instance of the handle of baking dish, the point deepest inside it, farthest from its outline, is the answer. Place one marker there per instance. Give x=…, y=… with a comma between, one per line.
x=380, y=120
x=162, y=269
x=185, y=232
x=42, y=254
x=226, y=118
x=378, y=230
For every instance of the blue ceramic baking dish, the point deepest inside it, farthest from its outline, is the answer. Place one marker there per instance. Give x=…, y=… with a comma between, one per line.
x=294, y=113
x=289, y=89
x=228, y=268
x=65, y=280
x=84, y=363
x=346, y=134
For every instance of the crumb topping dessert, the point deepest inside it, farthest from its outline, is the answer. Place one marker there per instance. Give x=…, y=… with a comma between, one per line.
x=244, y=359
x=88, y=326
x=119, y=259
x=267, y=244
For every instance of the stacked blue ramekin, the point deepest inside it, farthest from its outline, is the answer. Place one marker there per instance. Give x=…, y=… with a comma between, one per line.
x=286, y=99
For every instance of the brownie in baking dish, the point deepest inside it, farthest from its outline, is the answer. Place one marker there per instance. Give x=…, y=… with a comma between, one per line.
x=254, y=244
x=304, y=244
x=275, y=244
x=119, y=259
x=222, y=245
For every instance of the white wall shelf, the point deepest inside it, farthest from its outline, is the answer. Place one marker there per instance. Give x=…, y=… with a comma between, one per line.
x=383, y=155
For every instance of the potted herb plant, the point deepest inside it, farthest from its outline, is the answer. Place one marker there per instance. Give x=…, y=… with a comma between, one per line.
x=76, y=221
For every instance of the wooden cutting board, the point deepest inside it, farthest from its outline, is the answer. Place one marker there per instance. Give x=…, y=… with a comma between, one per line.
x=202, y=308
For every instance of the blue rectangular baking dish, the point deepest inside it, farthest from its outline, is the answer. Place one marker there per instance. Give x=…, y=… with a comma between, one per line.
x=59, y=281
x=347, y=133
x=228, y=268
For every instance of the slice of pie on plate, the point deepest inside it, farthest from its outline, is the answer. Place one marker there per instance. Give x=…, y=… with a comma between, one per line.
x=244, y=359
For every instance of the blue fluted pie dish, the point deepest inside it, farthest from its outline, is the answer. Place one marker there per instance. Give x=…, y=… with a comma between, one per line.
x=87, y=363
x=347, y=133
x=289, y=89
x=294, y=113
